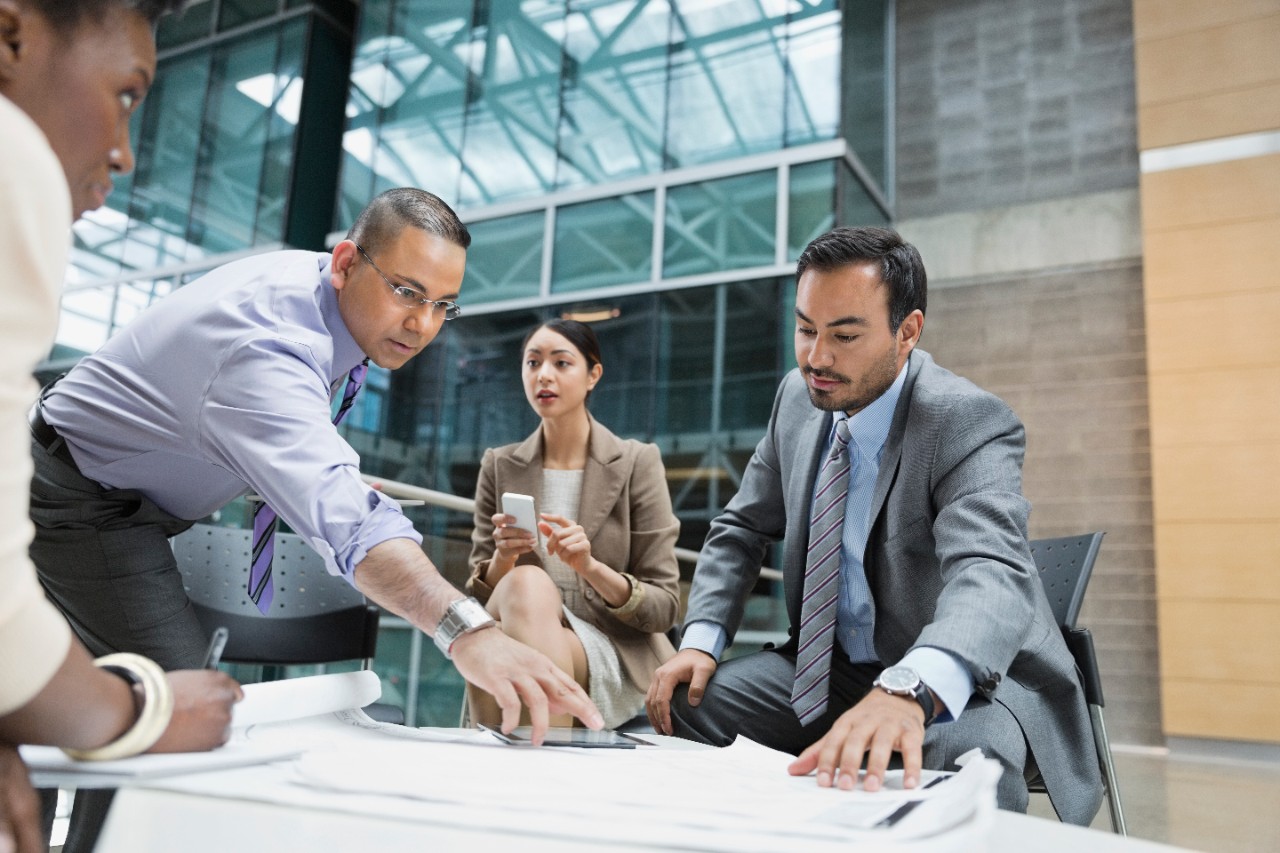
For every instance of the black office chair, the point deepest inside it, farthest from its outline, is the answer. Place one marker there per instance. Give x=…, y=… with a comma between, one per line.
x=1065, y=565
x=315, y=618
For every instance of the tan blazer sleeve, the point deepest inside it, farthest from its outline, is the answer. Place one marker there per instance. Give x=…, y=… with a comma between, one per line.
x=651, y=558
x=482, y=533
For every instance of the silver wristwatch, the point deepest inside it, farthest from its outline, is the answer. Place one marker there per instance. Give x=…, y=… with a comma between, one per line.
x=905, y=681
x=463, y=616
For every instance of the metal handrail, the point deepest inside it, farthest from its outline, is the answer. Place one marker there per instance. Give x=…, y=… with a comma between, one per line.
x=408, y=491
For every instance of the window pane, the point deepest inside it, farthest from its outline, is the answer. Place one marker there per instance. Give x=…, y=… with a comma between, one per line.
x=812, y=204
x=505, y=259
x=726, y=90
x=194, y=22
x=613, y=92
x=856, y=206
x=813, y=57
x=282, y=122
x=724, y=224
x=752, y=359
x=405, y=102
x=625, y=397
x=513, y=101
x=599, y=243
x=864, y=84
x=233, y=13
x=168, y=149
x=234, y=134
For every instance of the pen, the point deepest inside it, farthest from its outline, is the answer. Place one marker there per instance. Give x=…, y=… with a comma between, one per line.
x=216, y=644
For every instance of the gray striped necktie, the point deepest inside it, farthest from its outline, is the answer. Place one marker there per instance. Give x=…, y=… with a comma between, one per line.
x=822, y=582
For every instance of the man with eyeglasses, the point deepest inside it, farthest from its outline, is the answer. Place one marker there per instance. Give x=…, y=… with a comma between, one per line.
x=225, y=387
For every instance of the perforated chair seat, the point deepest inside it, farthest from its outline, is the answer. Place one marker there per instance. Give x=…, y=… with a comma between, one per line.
x=315, y=618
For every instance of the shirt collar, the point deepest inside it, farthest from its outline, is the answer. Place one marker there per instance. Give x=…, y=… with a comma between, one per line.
x=346, y=352
x=869, y=428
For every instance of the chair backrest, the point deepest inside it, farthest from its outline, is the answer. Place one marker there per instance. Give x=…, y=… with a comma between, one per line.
x=314, y=618
x=1065, y=564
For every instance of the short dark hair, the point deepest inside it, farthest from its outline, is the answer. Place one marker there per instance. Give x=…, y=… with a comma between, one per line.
x=575, y=332
x=901, y=268
x=390, y=212
x=66, y=16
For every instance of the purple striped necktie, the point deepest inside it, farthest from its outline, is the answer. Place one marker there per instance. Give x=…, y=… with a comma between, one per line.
x=265, y=520
x=822, y=582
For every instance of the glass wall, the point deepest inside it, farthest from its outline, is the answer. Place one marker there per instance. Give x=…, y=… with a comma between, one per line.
x=216, y=141
x=599, y=243
x=864, y=84
x=729, y=223
x=484, y=102
x=693, y=370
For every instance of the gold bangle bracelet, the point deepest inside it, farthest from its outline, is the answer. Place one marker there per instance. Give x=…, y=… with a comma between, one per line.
x=153, y=719
x=633, y=601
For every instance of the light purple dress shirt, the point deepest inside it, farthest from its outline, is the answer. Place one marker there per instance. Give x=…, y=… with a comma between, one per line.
x=225, y=387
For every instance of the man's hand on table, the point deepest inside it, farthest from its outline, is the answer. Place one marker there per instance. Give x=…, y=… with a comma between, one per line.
x=513, y=673
x=878, y=726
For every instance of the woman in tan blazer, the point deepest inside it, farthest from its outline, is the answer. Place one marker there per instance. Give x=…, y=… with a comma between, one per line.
x=597, y=586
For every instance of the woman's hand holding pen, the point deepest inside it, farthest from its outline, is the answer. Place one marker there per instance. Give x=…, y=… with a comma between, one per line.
x=202, y=700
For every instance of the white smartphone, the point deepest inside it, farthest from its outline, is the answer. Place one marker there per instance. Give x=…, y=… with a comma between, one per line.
x=522, y=508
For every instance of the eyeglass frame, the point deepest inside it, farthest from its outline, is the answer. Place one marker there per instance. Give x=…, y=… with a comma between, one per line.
x=452, y=310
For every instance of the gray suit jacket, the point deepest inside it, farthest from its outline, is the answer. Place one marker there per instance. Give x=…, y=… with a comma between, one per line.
x=947, y=558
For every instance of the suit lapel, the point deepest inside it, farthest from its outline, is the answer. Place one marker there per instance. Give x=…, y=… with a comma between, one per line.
x=601, y=481
x=893, y=444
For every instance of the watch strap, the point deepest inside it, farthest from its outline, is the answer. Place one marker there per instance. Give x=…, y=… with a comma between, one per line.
x=924, y=696
x=919, y=691
x=463, y=616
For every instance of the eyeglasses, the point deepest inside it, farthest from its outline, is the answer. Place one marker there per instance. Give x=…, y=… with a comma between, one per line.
x=411, y=297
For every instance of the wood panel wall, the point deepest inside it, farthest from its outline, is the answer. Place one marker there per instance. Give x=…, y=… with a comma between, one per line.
x=1210, y=72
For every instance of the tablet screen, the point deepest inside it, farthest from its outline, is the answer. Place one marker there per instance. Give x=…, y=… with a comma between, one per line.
x=570, y=737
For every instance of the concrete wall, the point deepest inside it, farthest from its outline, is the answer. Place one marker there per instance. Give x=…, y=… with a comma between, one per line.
x=1004, y=102
x=1017, y=178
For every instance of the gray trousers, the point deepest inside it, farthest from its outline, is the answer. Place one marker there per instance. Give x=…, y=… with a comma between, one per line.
x=751, y=696
x=104, y=559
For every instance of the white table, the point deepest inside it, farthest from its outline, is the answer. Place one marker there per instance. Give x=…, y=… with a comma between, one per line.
x=163, y=817
x=144, y=820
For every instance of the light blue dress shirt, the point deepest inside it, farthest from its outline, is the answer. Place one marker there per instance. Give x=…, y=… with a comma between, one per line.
x=855, y=612
x=226, y=387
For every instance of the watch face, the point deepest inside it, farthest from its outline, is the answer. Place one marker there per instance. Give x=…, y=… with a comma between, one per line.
x=899, y=679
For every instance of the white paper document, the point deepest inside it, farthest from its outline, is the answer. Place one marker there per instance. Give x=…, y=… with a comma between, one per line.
x=738, y=799
x=735, y=799
x=290, y=701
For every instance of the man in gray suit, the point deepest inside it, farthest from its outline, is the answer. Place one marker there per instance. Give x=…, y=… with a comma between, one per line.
x=918, y=623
